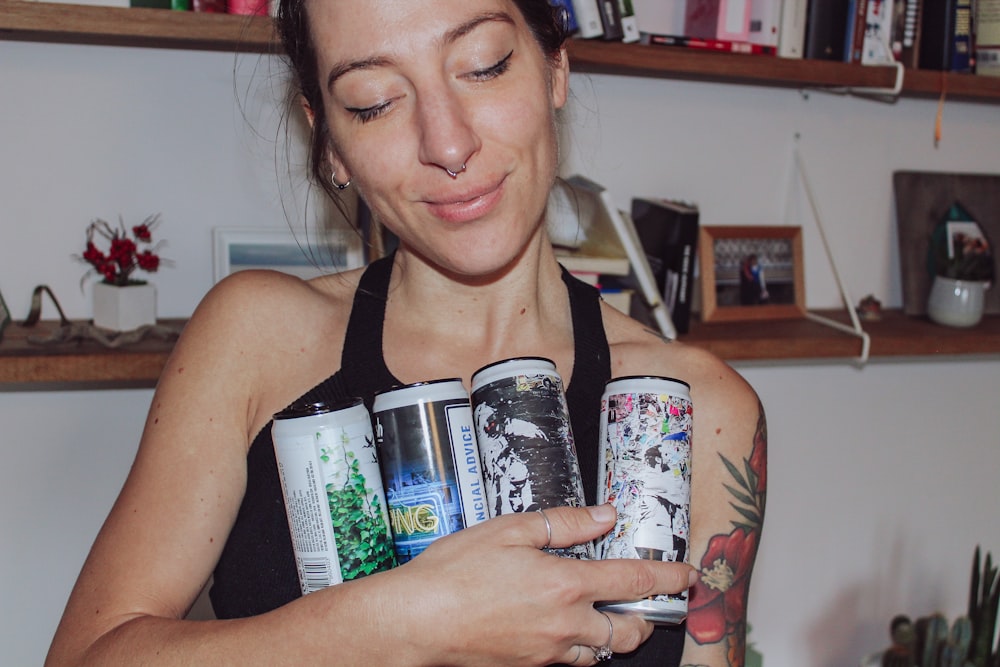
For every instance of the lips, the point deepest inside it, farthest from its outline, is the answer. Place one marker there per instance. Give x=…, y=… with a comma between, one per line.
x=466, y=205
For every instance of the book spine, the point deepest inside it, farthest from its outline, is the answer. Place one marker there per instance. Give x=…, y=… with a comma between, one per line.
x=611, y=20
x=859, y=21
x=719, y=45
x=826, y=29
x=960, y=58
x=630, y=26
x=910, y=53
x=588, y=18
x=877, y=49
x=659, y=17
x=935, y=34
x=792, y=30
x=765, y=19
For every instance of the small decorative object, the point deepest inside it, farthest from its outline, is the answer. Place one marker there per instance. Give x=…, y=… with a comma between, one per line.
x=961, y=261
x=870, y=308
x=121, y=301
x=967, y=643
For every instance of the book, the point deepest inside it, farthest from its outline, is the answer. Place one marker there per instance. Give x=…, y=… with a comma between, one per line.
x=659, y=17
x=611, y=20
x=857, y=13
x=826, y=30
x=876, y=47
x=945, y=35
x=668, y=232
x=721, y=45
x=583, y=234
x=765, y=22
x=792, y=30
x=630, y=25
x=596, y=212
x=717, y=19
x=909, y=51
x=588, y=19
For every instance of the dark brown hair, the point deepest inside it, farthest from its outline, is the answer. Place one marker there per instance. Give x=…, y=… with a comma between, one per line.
x=548, y=25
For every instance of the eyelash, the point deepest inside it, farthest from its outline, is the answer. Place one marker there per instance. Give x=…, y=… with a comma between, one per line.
x=371, y=113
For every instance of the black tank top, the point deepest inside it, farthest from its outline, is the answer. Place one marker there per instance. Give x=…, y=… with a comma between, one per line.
x=256, y=571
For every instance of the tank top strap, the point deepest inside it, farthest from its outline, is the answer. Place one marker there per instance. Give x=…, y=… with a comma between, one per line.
x=591, y=371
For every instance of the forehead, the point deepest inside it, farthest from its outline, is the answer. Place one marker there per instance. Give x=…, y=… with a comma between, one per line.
x=353, y=28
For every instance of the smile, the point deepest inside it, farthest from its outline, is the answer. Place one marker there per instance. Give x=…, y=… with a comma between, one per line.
x=466, y=206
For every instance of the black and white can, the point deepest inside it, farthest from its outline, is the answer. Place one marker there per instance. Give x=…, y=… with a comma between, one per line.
x=430, y=463
x=645, y=472
x=526, y=440
x=332, y=488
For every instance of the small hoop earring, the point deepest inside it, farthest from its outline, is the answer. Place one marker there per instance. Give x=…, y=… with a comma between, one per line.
x=454, y=174
x=339, y=186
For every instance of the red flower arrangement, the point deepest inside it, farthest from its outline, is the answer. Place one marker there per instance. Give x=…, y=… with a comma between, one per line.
x=123, y=256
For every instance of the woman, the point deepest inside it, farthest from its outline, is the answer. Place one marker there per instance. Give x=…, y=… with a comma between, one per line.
x=441, y=113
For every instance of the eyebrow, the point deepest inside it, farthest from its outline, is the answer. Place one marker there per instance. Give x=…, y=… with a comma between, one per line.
x=451, y=36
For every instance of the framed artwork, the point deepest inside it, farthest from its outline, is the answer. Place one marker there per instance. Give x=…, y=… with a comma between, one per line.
x=751, y=273
x=279, y=249
x=922, y=201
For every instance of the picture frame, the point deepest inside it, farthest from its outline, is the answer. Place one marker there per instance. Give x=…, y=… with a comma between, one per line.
x=280, y=249
x=773, y=289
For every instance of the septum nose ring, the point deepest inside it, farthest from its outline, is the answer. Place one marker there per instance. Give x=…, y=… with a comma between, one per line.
x=454, y=174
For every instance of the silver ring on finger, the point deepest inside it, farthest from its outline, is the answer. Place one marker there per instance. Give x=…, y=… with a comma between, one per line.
x=602, y=653
x=548, y=530
x=579, y=651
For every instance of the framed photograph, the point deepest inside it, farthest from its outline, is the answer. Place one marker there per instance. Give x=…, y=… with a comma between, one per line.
x=751, y=273
x=279, y=249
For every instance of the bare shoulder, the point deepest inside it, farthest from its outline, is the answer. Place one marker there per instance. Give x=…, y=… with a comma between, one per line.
x=639, y=350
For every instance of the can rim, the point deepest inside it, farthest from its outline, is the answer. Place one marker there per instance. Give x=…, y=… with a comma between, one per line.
x=313, y=408
x=511, y=360
x=422, y=383
x=666, y=378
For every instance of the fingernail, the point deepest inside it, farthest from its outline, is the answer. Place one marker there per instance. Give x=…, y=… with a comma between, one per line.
x=692, y=577
x=602, y=513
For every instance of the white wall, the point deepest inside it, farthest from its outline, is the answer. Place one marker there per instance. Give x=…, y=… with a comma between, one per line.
x=881, y=477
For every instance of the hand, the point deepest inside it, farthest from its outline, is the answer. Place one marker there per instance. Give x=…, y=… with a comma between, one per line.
x=489, y=595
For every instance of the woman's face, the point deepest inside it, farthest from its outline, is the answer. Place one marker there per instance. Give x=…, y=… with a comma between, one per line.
x=414, y=88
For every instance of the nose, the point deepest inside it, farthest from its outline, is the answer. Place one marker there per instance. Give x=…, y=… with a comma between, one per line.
x=447, y=136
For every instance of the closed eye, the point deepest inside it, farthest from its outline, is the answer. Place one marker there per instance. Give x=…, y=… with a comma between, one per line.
x=493, y=71
x=365, y=114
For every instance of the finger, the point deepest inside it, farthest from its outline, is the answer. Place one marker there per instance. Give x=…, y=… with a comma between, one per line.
x=615, y=633
x=625, y=579
x=561, y=527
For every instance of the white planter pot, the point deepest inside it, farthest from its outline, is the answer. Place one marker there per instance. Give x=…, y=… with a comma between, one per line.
x=956, y=303
x=124, y=308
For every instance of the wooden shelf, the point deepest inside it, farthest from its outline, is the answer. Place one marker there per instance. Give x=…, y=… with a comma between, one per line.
x=26, y=365
x=159, y=28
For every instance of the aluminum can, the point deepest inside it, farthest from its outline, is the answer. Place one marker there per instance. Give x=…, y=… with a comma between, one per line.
x=645, y=472
x=332, y=488
x=430, y=463
x=526, y=440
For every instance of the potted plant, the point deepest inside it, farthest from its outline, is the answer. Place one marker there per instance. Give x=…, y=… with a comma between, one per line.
x=122, y=302
x=960, y=259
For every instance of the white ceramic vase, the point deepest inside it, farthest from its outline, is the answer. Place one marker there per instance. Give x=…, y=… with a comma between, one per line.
x=956, y=303
x=124, y=308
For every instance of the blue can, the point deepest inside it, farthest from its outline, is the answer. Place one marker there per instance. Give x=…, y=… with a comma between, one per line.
x=430, y=463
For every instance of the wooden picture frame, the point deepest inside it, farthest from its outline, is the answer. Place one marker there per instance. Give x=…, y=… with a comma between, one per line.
x=775, y=290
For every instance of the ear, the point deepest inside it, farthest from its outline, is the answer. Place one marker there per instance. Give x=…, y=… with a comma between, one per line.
x=336, y=166
x=560, y=80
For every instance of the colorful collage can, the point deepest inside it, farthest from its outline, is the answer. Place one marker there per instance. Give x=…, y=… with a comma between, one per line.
x=430, y=463
x=332, y=487
x=526, y=441
x=645, y=472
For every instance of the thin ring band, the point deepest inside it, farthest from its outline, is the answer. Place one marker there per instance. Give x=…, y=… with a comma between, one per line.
x=579, y=650
x=454, y=174
x=603, y=653
x=548, y=529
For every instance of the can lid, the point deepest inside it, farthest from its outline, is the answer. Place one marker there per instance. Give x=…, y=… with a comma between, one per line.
x=508, y=367
x=655, y=378
x=312, y=408
x=447, y=389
